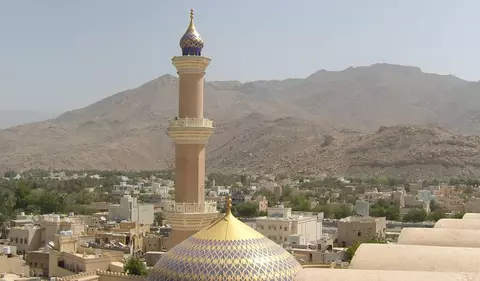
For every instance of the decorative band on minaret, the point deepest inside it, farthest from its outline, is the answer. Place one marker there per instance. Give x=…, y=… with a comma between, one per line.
x=190, y=131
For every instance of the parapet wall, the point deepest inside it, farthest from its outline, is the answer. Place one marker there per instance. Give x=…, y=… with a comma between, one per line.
x=473, y=224
x=91, y=275
x=415, y=258
x=445, y=237
x=471, y=216
x=117, y=276
x=383, y=275
x=101, y=275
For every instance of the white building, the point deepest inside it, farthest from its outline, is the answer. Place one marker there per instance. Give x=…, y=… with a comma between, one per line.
x=221, y=190
x=281, y=226
x=31, y=237
x=162, y=190
x=130, y=210
x=362, y=208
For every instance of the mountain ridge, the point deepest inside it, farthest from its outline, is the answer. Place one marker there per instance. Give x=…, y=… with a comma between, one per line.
x=323, y=123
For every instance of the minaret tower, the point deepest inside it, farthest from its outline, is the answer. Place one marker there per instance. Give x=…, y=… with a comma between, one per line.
x=190, y=131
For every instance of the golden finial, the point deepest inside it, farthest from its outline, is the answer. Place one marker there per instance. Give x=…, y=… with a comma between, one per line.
x=191, y=26
x=229, y=205
x=191, y=42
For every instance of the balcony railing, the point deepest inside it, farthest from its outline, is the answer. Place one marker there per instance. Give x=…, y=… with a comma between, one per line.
x=206, y=207
x=190, y=122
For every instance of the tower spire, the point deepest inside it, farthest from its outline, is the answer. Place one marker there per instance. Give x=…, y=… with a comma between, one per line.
x=191, y=42
x=228, y=211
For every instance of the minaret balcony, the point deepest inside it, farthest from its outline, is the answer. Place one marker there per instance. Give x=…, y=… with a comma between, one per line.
x=190, y=216
x=205, y=207
x=191, y=122
x=191, y=64
x=190, y=130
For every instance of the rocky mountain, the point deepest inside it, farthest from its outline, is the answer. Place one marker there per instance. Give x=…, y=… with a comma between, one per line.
x=10, y=118
x=326, y=123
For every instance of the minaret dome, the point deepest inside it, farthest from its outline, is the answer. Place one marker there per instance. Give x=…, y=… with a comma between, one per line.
x=191, y=42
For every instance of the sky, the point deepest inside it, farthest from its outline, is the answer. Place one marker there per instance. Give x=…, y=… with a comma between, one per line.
x=58, y=55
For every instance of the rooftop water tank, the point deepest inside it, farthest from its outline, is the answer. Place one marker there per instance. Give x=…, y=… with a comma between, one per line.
x=6, y=250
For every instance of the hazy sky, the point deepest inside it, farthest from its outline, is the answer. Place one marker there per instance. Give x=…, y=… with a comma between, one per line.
x=57, y=54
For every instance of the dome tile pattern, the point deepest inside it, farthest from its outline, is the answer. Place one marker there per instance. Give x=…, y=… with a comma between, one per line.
x=227, y=250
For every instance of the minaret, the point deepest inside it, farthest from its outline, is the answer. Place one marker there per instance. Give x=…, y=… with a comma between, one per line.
x=190, y=131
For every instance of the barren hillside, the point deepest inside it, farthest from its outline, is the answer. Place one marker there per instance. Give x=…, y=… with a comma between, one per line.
x=326, y=123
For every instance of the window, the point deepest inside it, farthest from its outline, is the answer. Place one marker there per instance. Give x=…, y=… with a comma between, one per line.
x=359, y=234
x=286, y=228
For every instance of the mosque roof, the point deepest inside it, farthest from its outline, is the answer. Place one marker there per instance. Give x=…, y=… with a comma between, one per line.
x=226, y=250
x=191, y=42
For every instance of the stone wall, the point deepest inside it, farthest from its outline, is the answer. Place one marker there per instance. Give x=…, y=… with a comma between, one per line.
x=14, y=265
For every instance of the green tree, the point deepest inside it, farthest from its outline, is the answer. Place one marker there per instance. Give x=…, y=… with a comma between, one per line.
x=9, y=174
x=51, y=202
x=159, y=218
x=385, y=209
x=352, y=249
x=458, y=215
x=246, y=210
x=342, y=212
x=22, y=194
x=135, y=266
x=435, y=216
x=299, y=203
x=286, y=193
x=7, y=204
x=415, y=215
x=325, y=209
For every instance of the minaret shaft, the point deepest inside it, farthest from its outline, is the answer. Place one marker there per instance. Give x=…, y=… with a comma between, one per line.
x=190, y=100
x=190, y=173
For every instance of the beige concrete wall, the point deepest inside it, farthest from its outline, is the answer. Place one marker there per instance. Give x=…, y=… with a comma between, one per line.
x=416, y=258
x=440, y=237
x=25, y=238
x=458, y=224
x=352, y=231
x=472, y=215
x=53, y=269
x=13, y=265
x=324, y=274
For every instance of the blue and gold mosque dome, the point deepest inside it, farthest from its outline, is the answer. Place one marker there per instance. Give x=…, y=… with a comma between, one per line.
x=191, y=42
x=227, y=250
